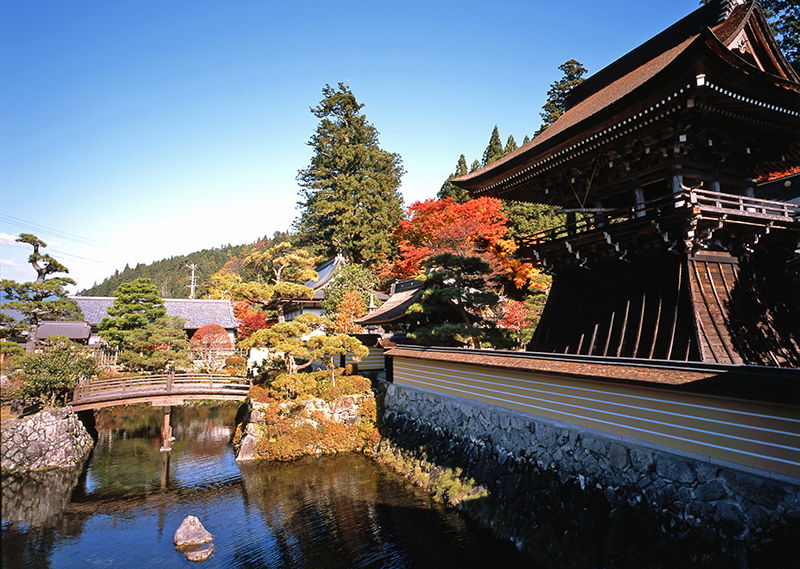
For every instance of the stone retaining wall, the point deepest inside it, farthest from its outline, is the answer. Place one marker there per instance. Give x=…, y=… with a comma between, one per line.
x=573, y=497
x=44, y=441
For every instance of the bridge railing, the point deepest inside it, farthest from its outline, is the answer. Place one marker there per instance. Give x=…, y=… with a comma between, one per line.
x=132, y=385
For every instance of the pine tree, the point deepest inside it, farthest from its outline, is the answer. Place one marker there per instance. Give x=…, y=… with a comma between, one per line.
x=450, y=190
x=494, y=150
x=349, y=199
x=526, y=140
x=557, y=95
x=454, y=303
x=43, y=299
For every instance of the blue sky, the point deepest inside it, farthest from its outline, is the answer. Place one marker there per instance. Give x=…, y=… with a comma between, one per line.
x=136, y=131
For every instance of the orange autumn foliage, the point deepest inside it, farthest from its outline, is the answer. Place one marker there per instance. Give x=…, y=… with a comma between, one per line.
x=477, y=227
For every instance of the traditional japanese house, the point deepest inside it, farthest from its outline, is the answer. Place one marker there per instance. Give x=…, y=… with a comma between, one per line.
x=666, y=253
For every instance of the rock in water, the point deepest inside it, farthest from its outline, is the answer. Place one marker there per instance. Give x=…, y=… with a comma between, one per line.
x=199, y=555
x=191, y=532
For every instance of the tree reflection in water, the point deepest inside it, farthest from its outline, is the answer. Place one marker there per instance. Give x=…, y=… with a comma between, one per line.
x=327, y=512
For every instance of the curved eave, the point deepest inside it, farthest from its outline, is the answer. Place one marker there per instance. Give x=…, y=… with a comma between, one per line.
x=606, y=113
x=596, y=116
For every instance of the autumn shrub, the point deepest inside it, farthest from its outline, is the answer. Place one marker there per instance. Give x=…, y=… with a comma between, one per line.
x=288, y=431
x=345, y=385
x=235, y=365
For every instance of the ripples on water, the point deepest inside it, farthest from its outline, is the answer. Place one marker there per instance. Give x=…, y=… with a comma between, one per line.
x=332, y=512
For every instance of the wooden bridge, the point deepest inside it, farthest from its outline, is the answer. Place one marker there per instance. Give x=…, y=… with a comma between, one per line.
x=159, y=390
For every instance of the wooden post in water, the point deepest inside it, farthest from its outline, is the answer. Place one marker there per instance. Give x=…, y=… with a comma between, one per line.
x=166, y=432
x=164, y=480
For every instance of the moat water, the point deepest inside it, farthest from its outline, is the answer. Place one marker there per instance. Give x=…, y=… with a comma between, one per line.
x=122, y=510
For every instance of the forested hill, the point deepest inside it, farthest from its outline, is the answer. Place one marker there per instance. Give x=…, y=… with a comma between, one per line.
x=173, y=276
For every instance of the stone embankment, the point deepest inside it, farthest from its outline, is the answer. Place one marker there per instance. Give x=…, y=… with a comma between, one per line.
x=573, y=497
x=47, y=440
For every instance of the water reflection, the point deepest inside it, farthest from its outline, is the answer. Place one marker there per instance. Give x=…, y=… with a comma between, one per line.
x=39, y=498
x=329, y=512
x=346, y=511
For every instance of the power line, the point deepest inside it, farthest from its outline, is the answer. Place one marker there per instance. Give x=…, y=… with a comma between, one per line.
x=58, y=233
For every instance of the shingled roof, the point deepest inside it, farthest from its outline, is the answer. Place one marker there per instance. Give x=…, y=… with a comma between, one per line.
x=197, y=313
x=594, y=106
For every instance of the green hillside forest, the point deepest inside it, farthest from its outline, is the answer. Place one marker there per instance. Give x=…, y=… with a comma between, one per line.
x=173, y=276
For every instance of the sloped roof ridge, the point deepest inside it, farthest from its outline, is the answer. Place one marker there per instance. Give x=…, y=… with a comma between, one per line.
x=610, y=93
x=687, y=27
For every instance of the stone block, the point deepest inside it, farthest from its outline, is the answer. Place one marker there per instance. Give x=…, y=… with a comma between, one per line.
x=618, y=455
x=674, y=469
x=711, y=490
x=642, y=460
x=546, y=436
x=760, y=491
x=247, y=449
x=593, y=444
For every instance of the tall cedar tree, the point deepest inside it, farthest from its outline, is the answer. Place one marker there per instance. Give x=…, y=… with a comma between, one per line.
x=46, y=297
x=511, y=145
x=349, y=199
x=557, y=95
x=494, y=150
x=450, y=190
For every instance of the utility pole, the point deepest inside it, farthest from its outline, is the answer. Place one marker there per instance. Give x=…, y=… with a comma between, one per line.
x=193, y=284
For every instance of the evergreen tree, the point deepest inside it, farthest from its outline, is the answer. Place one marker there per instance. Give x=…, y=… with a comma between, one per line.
x=454, y=302
x=43, y=299
x=511, y=145
x=156, y=345
x=525, y=218
x=557, y=95
x=349, y=199
x=526, y=140
x=494, y=150
x=349, y=278
x=476, y=165
x=450, y=190
x=278, y=279
x=136, y=305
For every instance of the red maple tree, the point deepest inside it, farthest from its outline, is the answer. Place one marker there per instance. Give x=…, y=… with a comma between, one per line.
x=477, y=227
x=249, y=320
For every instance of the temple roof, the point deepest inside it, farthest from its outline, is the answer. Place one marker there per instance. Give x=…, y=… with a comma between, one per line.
x=653, y=81
x=396, y=306
x=197, y=313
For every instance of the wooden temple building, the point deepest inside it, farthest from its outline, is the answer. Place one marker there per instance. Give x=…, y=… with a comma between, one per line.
x=667, y=252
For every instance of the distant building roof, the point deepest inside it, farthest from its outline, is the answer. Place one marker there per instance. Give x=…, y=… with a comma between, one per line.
x=406, y=293
x=325, y=275
x=197, y=313
x=71, y=329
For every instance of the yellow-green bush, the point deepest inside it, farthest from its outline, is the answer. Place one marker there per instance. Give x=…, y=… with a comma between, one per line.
x=288, y=432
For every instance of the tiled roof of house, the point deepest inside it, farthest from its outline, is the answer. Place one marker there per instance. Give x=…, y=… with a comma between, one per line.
x=73, y=330
x=197, y=313
x=394, y=308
